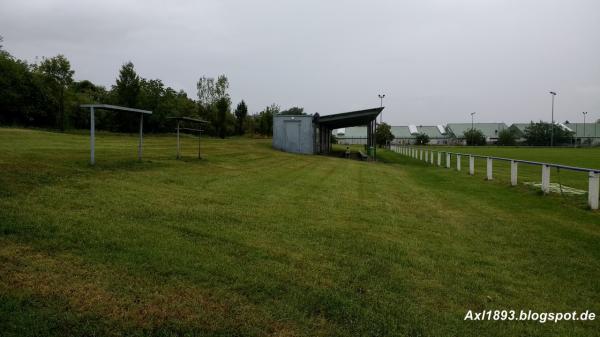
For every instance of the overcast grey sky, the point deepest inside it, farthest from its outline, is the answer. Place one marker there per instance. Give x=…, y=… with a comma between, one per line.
x=436, y=60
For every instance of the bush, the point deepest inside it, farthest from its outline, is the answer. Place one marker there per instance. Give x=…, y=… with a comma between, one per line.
x=383, y=134
x=507, y=138
x=539, y=134
x=474, y=137
x=422, y=139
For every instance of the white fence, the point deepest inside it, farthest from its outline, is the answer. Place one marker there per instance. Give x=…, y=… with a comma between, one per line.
x=427, y=156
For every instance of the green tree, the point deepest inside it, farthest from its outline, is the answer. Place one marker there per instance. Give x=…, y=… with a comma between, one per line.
x=264, y=120
x=222, y=106
x=58, y=74
x=474, y=137
x=293, y=111
x=383, y=134
x=539, y=134
x=84, y=92
x=422, y=139
x=126, y=92
x=507, y=137
x=241, y=111
x=20, y=96
x=214, y=104
x=128, y=86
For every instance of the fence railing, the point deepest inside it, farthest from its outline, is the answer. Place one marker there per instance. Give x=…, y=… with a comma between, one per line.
x=428, y=156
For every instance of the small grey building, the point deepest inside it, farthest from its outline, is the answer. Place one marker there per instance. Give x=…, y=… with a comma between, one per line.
x=311, y=134
x=294, y=133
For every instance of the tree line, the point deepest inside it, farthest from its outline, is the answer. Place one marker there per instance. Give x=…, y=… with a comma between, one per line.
x=44, y=94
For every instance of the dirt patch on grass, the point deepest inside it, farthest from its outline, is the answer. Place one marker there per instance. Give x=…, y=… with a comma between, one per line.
x=125, y=301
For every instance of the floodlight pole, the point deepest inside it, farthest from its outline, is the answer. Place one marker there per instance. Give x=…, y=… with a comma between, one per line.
x=141, y=137
x=381, y=97
x=552, y=128
x=584, y=114
x=92, y=136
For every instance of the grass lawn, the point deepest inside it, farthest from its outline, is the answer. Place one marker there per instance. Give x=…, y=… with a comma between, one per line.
x=256, y=242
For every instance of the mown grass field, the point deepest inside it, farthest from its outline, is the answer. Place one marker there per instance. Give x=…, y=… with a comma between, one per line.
x=256, y=242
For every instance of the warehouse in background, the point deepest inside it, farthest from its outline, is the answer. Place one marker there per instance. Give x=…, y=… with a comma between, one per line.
x=311, y=134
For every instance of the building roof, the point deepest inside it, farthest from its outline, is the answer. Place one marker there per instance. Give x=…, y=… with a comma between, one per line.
x=348, y=119
x=355, y=132
x=489, y=130
x=590, y=129
x=401, y=132
x=431, y=131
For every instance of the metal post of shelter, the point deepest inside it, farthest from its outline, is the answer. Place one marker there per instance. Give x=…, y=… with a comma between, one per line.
x=177, y=139
x=92, y=136
x=141, y=144
x=116, y=108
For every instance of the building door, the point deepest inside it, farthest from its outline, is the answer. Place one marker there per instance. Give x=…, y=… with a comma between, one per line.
x=292, y=136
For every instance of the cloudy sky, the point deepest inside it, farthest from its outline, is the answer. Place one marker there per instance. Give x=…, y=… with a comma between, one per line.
x=436, y=60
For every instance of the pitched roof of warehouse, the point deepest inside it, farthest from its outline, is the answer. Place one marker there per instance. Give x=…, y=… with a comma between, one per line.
x=401, y=132
x=590, y=129
x=431, y=131
x=355, y=132
x=489, y=130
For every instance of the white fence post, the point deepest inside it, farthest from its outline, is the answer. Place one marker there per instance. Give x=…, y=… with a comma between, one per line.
x=513, y=172
x=545, y=179
x=439, y=159
x=421, y=154
x=490, y=173
x=458, y=162
x=426, y=155
x=431, y=159
x=593, y=190
x=471, y=165
x=448, y=160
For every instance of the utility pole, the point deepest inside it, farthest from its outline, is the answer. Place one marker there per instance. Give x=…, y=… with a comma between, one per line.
x=584, y=114
x=552, y=127
x=381, y=97
x=472, y=128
